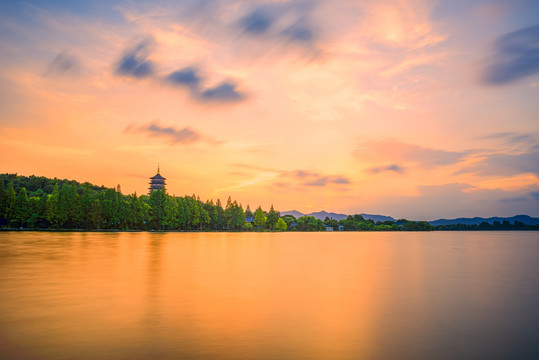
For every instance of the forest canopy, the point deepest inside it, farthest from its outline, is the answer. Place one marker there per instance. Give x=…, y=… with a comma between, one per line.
x=37, y=202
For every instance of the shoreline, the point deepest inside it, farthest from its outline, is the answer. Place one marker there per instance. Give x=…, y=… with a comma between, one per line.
x=236, y=231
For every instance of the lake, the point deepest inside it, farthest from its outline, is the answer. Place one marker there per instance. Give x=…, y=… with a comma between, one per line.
x=340, y=295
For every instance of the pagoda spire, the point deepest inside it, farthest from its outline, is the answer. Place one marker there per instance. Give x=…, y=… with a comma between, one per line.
x=157, y=182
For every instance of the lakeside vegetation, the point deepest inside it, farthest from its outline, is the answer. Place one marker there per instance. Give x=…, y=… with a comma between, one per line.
x=484, y=226
x=37, y=202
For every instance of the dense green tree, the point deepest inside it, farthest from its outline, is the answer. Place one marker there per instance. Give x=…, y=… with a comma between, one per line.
x=366, y=225
x=171, y=209
x=69, y=207
x=248, y=212
x=281, y=225
x=10, y=200
x=182, y=213
x=310, y=223
x=273, y=217
x=205, y=218
x=332, y=222
x=194, y=210
x=86, y=203
x=290, y=220
x=40, y=209
x=110, y=209
x=221, y=219
x=235, y=216
x=157, y=201
x=138, y=212
x=3, y=200
x=33, y=206
x=260, y=218
x=96, y=214
x=21, y=210
x=53, y=211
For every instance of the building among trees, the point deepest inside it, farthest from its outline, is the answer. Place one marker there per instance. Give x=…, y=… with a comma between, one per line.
x=157, y=182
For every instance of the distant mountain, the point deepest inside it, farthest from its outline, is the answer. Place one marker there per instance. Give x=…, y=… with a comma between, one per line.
x=528, y=220
x=294, y=213
x=323, y=214
x=376, y=218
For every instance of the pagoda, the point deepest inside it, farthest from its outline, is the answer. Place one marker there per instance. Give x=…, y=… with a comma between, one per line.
x=157, y=182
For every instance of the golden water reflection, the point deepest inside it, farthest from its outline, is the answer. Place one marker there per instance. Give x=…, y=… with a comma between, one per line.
x=268, y=296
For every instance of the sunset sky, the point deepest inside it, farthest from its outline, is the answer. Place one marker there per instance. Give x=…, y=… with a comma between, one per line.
x=409, y=108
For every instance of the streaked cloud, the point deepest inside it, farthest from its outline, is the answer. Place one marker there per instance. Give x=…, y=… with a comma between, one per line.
x=287, y=21
x=401, y=152
x=298, y=178
x=309, y=178
x=506, y=164
x=186, y=77
x=63, y=63
x=524, y=140
x=516, y=56
x=515, y=199
x=224, y=92
x=393, y=167
x=176, y=136
x=189, y=78
x=257, y=22
x=134, y=63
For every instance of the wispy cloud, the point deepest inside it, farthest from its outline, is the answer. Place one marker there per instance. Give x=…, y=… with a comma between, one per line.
x=184, y=135
x=309, y=178
x=63, y=63
x=518, y=140
x=515, y=199
x=134, y=62
x=299, y=178
x=224, y=92
x=506, y=164
x=516, y=56
x=191, y=79
x=257, y=22
x=393, y=167
x=401, y=152
x=285, y=21
x=186, y=77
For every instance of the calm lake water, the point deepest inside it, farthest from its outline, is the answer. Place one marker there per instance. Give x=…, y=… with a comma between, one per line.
x=436, y=295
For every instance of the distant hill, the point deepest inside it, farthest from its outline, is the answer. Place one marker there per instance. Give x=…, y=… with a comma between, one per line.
x=528, y=220
x=318, y=215
x=294, y=213
x=323, y=214
x=376, y=218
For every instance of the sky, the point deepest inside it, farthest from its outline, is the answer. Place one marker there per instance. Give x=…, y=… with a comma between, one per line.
x=415, y=109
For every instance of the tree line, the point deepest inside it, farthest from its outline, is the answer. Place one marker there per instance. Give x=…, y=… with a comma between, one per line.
x=358, y=223
x=484, y=226
x=42, y=203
